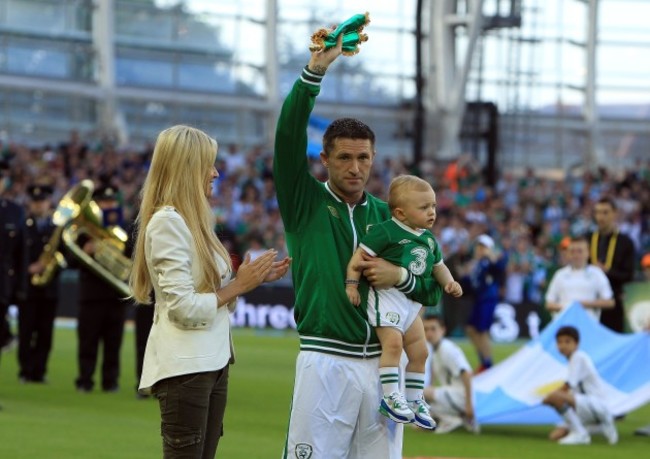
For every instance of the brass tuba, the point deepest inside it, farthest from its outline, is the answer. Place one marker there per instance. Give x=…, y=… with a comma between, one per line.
x=51, y=259
x=85, y=218
x=66, y=211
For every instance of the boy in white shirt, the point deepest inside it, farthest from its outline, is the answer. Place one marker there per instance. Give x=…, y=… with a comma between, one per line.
x=581, y=400
x=451, y=402
x=579, y=281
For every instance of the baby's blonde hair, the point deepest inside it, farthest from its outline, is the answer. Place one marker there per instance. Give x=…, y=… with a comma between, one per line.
x=400, y=185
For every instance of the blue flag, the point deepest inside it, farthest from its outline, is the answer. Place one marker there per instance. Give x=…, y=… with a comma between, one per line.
x=315, y=130
x=512, y=391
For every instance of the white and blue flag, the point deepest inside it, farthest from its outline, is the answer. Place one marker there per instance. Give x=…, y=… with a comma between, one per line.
x=315, y=130
x=512, y=391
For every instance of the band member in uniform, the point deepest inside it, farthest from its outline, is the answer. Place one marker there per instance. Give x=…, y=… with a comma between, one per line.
x=102, y=310
x=37, y=309
x=12, y=262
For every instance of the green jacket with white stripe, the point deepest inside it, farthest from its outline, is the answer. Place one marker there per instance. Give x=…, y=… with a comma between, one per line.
x=322, y=232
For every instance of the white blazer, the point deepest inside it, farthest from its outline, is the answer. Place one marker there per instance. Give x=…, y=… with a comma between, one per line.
x=189, y=333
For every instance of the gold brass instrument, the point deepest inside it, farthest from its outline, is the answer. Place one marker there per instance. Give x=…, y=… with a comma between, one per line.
x=51, y=258
x=108, y=260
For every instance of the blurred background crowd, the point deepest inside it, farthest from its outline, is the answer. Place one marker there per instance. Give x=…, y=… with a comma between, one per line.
x=528, y=214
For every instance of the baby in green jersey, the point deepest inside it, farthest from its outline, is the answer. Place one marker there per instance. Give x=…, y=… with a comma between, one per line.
x=405, y=240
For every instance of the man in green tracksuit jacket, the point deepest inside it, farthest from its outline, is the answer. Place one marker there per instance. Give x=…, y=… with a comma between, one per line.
x=336, y=394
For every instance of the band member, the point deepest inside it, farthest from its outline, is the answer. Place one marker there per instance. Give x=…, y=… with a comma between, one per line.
x=12, y=262
x=102, y=311
x=37, y=309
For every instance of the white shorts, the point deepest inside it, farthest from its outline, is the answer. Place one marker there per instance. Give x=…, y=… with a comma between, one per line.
x=449, y=400
x=590, y=409
x=335, y=411
x=391, y=308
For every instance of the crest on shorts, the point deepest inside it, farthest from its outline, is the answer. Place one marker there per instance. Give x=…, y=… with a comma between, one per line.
x=335, y=214
x=304, y=451
x=393, y=317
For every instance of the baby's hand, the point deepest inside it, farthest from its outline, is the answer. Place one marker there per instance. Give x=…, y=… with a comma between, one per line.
x=454, y=289
x=353, y=294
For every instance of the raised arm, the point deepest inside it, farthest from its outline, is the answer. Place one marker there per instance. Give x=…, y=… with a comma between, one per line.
x=296, y=188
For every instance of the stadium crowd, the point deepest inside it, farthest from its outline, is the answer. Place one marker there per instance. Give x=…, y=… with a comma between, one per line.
x=526, y=214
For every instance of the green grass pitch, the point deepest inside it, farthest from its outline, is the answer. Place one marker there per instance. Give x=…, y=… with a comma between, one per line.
x=54, y=421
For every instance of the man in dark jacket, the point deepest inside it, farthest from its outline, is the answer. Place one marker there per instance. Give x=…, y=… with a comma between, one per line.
x=37, y=309
x=614, y=253
x=12, y=262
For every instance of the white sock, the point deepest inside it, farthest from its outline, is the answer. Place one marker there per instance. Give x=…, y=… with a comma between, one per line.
x=571, y=417
x=389, y=378
x=414, y=383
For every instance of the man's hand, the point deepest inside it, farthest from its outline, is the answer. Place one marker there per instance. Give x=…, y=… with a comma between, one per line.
x=321, y=60
x=379, y=272
x=36, y=268
x=89, y=247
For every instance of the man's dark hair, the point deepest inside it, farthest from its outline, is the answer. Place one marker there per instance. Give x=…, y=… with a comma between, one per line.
x=608, y=200
x=346, y=128
x=569, y=331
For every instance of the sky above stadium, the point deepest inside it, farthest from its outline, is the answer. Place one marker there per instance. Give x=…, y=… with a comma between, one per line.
x=557, y=63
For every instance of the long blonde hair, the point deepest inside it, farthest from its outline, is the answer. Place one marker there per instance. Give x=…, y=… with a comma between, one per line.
x=180, y=169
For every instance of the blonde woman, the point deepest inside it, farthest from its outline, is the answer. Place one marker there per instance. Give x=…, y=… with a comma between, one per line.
x=179, y=259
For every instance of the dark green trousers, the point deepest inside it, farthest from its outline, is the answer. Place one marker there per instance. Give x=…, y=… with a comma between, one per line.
x=191, y=411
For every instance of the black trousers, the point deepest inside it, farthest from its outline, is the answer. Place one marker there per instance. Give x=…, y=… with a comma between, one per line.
x=5, y=329
x=191, y=410
x=614, y=318
x=35, y=330
x=143, y=322
x=100, y=322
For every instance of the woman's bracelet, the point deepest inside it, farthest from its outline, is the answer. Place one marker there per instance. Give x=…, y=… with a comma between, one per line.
x=351, y=282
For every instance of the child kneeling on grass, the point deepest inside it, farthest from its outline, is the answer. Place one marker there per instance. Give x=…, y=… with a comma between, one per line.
x=581, y=400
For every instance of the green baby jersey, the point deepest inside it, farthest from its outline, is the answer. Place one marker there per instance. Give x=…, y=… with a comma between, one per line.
x=322, y=233
x=416, y=250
